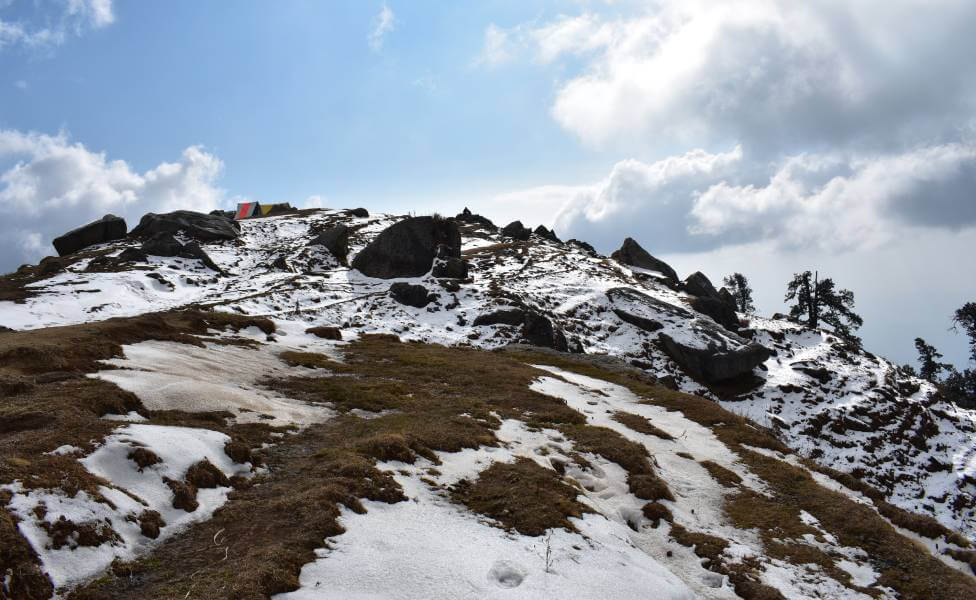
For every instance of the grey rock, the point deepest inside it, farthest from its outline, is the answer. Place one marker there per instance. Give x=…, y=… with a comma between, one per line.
x=336, y=241
x=717, y=309
x=411, y=295
x=539, y=331
x=548, y=234
x=516, y=230
x=715, y=364
x=631, y=253
x=407, y=248
x=206, y=228
x=697, y=284
x=505, y=316
x=106, y=229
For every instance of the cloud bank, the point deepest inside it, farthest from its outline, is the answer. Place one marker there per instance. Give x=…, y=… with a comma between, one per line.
x=53, y=185
x=834, y=125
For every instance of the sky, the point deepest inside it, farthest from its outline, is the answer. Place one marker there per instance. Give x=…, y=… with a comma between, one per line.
x=761, y=136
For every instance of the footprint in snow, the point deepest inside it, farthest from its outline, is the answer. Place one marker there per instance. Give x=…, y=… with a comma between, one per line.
x=506, y=574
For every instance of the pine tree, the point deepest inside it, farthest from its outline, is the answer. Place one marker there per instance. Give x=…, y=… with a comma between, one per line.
x=817, y=300
x=965, y=318
x=928, y=358
x=738, y=286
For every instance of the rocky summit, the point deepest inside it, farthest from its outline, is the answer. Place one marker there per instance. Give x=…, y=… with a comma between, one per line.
x=339, y=404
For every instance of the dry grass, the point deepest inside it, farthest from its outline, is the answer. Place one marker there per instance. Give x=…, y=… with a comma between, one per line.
x=522, y=496
x=640, y=424
x=722, y=475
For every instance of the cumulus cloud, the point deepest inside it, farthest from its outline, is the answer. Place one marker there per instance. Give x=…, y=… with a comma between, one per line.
x=384, y=23
x=774, y=75
x=55, y=184
x=52, y=22
x=832, y=201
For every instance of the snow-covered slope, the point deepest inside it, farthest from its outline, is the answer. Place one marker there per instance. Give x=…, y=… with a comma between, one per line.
x=850, y=411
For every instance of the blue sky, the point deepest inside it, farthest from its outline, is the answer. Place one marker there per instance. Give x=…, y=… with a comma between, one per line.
x=762, y=136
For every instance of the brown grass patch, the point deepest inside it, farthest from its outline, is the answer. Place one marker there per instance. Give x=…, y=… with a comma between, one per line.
x=522, y=496
x=725, y=477
x=655, y=512
x=640, y=424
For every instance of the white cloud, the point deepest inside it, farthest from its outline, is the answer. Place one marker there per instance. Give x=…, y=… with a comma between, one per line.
x=384, y=23
x=315, y=201
x=55, y=185
x=498, y=47
x=772, y=74
x=698, y=201
x=53, y=22
x=20, y=84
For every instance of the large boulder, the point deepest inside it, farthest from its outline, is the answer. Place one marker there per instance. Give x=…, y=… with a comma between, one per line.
x=335, y=240
x=164, y=244
x=631, y=253
x=411, y=295
x=538, y=331
x=504, y=316
x=548, y=234
x=466, y=216
x=359, y=213
x=697, y=284
x=717, y=309
x=408, y=248
x=516, y=230
x=726, y=296
x=728, y=359
x=644, y=311
x=106, y=229
x=447, y=266
x=583, y=245
x=206, y=228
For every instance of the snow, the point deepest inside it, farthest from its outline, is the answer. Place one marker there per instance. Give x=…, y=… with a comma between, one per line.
x=130, y=492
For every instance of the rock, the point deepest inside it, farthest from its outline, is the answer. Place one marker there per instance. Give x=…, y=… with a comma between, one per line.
x=726, y=296
x=715, y=363
x=106, y=229
x=131, y=255
x=717, y=309
x=359, y=213
x=538, y=331
x=324, y=332
x=227, y=214
x=50, y=265
x=336, y=241
x=206, y=228
x=516, y=230
x=447, y=266
x=631, y=253
x=281, y=264
x=582, y=245
x=407, y=248
x=162, y=244
x=411, y=294
x=547, y=234
x=466, y=216
x=505, y=316
x=697, y=284
x=643, y=311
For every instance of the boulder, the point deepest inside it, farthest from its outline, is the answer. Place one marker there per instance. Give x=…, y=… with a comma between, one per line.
x=164, y=244
x=280, y=264
x=132, y=255
x=206, y=228
x=717, y=309
x=547, y=234
x=326, y=332
x=516, y=230
x=466, y=216
x=50, y=265
x=106, y=229
x=411, y=294
x=631, y=253
x=447, y=266
x=726, y=296
x=538, y=331
x=336, y=241
x=715, y=363
x=644, y=311
x=583, y=245
x=408, y=248
x=505, y=316
x=697, y=284
x=359, y=213
x=227, y=214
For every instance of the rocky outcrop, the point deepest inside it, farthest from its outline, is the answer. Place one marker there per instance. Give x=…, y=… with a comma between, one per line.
x=697, y=284
x=505, y=316
x=517, y=231
x=466, y=216
x=164, y=244
x=717, y=309
x=411, y=295
x=726, y=296
x=205, y=228
x=548, y=234
x=539, y=331
x=408, y=248
x=106, y=229
x=715, y=363
x=631, y=253
x=359, y=213
x=581, y=244
x=336, y=241
x=642, y=310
